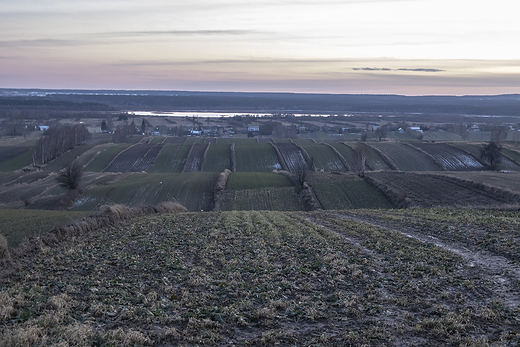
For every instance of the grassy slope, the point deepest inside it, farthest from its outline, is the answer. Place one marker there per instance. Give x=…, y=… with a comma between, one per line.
x=193, y=190
x=17, y=225
x=265, y=278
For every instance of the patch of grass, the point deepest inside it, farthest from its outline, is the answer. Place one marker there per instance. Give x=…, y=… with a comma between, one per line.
x=252, y=180
x=17, y=225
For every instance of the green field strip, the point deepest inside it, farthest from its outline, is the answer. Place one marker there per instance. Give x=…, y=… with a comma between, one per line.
x=324, y=157
x=66, y=158
x=406, y=158
x=157, y=139
x=252, y=180
x=237, y=140
x=101, y=161
x=18, y=225
x=193, y=190
x=347, y=152
x=166, y=160
x=274, y=199
x=16, y=163
x=217, y=158
x=256, y=157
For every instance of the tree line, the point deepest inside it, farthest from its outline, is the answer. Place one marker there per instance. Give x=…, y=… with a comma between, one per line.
x=58, y=140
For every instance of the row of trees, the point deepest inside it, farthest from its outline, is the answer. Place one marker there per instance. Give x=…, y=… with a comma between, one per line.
x=57, y=140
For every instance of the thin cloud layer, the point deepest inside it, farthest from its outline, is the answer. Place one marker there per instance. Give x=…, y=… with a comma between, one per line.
x=387, y=45
x=400, y=69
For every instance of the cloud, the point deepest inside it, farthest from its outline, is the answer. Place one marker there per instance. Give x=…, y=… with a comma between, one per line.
x=422, y=70
x=38, y=42
x=181, y=33
x=371, y=69
x=401, y=69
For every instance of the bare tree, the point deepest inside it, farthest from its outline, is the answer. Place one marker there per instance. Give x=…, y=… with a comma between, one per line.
x=498, y=135
x=70, y=176
x=362, y=154
x=381, y=133
x=492, y=154
x=301, y=171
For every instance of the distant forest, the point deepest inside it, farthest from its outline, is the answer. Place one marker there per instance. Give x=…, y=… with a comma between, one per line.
x=65, y=101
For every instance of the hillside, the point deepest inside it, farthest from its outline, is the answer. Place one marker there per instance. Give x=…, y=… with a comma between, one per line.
x=374, y=277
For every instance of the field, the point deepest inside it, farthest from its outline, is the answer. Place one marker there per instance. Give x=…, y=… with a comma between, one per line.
x=217, y=158
x=503, y=180
x=257, y=157
x=428, y=191
x=195, y=158
x=101, y=161
x=14, y=158
x=252, y=180
x=262, y=198
x=452, y=158
x=292, y=155
x=193, y=190
x=474, y=150
x=18, y=225
x=338, y=192
x=135, y=159
x=347, y=152
x=324, y=157
x=395, y=278
x=406, y=158
x=171, y=159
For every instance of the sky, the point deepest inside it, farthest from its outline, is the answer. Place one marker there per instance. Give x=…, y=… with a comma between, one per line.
x=409, y=47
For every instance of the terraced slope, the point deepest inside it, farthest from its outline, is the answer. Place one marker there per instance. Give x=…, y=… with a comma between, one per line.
x=452, y=158
x=324, y=158
x=474, y=150
x=394, y=278
x=427, y=190
x=256, y=157
x=217, y=158
x=135, y=159
x=338, y=192
x=196, y=157
x=406, y=158
x=193, y=190
x=292, y=156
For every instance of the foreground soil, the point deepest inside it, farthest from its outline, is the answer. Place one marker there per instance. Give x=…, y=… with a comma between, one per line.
x=384, y=278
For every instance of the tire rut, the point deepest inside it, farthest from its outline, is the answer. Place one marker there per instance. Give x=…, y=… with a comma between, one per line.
x=497, y=269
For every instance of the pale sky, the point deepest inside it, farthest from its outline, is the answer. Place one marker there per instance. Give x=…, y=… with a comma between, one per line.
x=411, y=47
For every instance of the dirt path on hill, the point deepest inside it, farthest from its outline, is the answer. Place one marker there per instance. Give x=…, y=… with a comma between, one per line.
x=503, y=273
